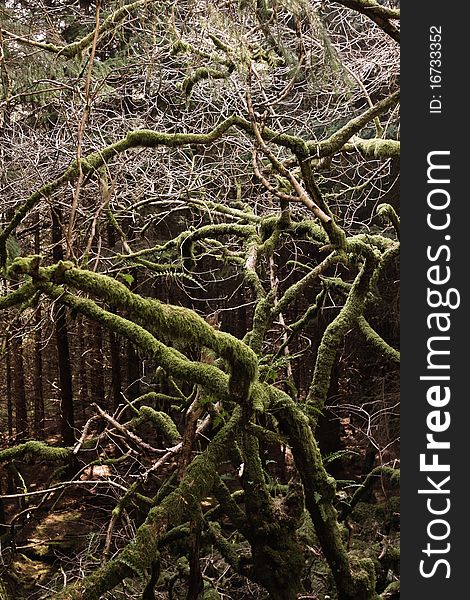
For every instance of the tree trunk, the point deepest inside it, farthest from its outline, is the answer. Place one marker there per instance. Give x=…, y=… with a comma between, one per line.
x=114, y=348
x=83, y=392
x=37, y=378
x=9, y=388
x=67, y=421
x=21, y=412
x=133, y=360
x=116, y=381
x=65, y=377
x=195, y=583
x=96, y=366
x=133, y=372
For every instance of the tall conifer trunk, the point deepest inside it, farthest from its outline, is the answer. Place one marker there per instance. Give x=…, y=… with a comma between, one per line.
x=67, y=420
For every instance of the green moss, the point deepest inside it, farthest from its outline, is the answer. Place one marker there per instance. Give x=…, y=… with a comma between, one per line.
x=376, y=147
x=140, y=138
x=203, y=73
x=210, y=593
x=297, y=289
x=4, y=594
x=163, y=423
x=386, y=211
x=369, y=516
x=230, y=551
x=261, y=323
x=392, y=590
x=35, y=451
x=363, y=570
x=173, y=322
x=378, y=342
x=319, y=490
x=336, y=141
x=332, y=338
x=18, y=297
x=176, y=323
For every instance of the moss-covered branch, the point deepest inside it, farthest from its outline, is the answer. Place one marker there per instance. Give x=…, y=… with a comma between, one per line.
x=203, y=73
x=296, y=289
x=17, y=297
x=374, y=147
x=36, y=451
x=75, y=48
x=164, y=321
x=186, y=240
x=162, y=422
x=377, y=341
x=228, y=505
x=218, y=208
x=95, y=160
x=386, y=211
x=375, y=475
x=276, y=552
x=336, y=141
x=146, y=138
x=229, y=550
x=333, y=336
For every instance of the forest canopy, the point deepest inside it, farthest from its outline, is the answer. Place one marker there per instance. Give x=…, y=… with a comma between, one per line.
x=199, y=248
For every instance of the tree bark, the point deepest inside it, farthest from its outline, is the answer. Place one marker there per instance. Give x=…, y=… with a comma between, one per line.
x=116, y=380
x=39, y=415
x=97, y=367
x=67, y=420
x=133, y=361
x=83, y=393
x=9, y=388
x=21, y=412
x=38, y=366
x=133, y=372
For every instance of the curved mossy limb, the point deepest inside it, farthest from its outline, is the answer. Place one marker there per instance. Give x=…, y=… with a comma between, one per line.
x=383, y=16
x=391, y=591
x=163, y=423
x=147, y=138
x=337, y=140
x=372, y=477
x=228, y=504
x=18, y=297
x=363, y=571
x=374, y=148
x=387, y=258
x=386, y=211
x=262, y=319
x=73, y=49
x=175, y=323
x=173, y=362
x=231, y=552
x=204, y=73
x=378, y=342
x=333, y=337
x=172, y=322
x=296, y=289
x=36, y=451
x=186, y=240
x=156, y=398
